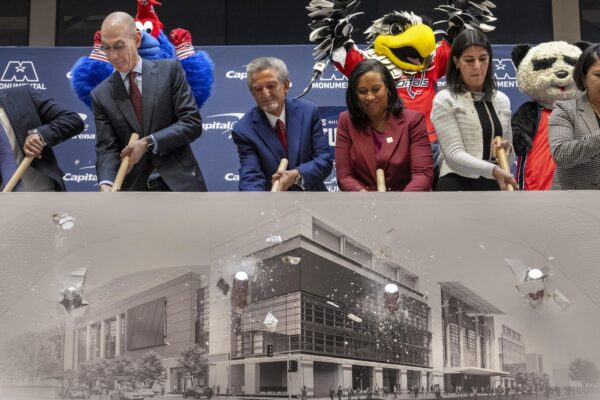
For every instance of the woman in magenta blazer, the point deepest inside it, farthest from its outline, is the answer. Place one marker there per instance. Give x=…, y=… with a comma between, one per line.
x=377, y=132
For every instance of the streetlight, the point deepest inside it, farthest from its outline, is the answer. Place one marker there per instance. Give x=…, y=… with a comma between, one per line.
x=391, y=294
x=239, y=292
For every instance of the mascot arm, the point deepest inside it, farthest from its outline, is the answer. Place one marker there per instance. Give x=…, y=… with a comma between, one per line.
x=524, y=125
x=346, y=58
x=88, y=72
x=198, y=66
x=442, y=54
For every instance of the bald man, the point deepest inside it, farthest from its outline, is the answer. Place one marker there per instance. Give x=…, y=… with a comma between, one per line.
x=153, y=99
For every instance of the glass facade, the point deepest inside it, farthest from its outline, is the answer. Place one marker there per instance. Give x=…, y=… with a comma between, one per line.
x=315, y=325
x=473, y=328
x=512, y=351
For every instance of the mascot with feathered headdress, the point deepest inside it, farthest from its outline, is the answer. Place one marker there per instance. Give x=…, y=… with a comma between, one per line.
x=401, y=40
x=89, y=71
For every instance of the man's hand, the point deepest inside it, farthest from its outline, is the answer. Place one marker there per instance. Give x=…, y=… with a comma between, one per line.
x=286, y=179
x=105, y=188
x=33, y=146
x=135, y=151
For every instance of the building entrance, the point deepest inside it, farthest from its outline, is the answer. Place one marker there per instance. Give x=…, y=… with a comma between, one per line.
x=361, y=377
x=390, y=379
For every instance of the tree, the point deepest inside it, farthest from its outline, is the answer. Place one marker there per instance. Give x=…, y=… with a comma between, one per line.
x=122, y=370
x=584, y=371
x=149, y=368
x=31, y=355
x=106, y=371
x=193, y=362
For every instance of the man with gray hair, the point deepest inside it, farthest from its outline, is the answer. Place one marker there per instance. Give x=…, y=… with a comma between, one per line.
x=280, y=128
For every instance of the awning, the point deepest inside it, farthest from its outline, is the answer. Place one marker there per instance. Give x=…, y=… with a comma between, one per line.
x=474, y=371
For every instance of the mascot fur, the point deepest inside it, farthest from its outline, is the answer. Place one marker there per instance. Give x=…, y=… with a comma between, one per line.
x=89, y=71
x=401, y=40
x=545, y=74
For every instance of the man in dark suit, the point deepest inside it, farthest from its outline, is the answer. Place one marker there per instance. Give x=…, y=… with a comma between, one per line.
x=153, y=99
x=278, y=128
x=30, y=125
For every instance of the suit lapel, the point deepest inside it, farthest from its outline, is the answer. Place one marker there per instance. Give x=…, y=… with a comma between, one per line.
x=265, y=132
x=391, y=139
x=367, y=150
x=294, y=131
x=587, y=112
x=149, y=82
x=11, y=110
x=121, y=99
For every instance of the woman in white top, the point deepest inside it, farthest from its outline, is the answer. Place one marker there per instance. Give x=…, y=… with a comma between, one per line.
x=467, y=115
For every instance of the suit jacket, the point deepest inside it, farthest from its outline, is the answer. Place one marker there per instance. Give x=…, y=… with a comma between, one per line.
x=28, y=110
x=261, y=151
x=405, y=156
x=170, y=114
x=574, y=137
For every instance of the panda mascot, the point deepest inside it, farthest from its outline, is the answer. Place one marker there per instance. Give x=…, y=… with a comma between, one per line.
x=545, y=74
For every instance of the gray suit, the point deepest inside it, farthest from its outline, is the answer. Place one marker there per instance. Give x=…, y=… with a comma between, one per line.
x=170, y=114
x=574, y=136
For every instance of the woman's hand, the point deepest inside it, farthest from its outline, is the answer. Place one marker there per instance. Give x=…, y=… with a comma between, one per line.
x=504, y=178
x=505, y=144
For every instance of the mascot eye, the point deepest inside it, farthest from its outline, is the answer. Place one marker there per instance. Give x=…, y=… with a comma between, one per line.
x=543, y=63
x=148, y=26
x=395, y=29
x=139, y=26
x=570, y=60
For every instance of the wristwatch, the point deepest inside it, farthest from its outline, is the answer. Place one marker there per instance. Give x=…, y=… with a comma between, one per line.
x=36, y=132
x=149, y=144
x=299, y=181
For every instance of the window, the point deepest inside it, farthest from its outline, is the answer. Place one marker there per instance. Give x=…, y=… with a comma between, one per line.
x=590, y=20
x=14, y=22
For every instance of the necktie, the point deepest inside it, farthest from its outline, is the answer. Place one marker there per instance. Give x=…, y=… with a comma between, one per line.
x=280, y=128
x=135, y=96
x=8, y=165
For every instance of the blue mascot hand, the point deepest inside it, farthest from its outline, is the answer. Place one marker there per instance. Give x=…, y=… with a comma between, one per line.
x=150, y=48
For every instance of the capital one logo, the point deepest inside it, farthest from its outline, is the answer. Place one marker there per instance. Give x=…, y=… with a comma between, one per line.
x=504, y=69
x=222, y=123
x=19, y=71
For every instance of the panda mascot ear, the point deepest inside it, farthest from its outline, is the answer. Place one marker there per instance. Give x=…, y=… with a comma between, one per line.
x=582, y=44
x=518, y=53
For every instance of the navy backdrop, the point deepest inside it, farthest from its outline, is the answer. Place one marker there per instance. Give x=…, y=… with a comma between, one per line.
x=47, y=70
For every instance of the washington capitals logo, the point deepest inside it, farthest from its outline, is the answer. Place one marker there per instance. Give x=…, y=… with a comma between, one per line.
x=413, y=84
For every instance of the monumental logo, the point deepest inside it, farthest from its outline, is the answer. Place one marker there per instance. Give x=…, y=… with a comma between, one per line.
x=505, y=73
x=331, y=80
x=82, y=175
x=221, y=123
x=19, y=73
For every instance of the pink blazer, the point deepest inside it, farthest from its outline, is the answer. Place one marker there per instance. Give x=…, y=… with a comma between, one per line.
x=405, y=156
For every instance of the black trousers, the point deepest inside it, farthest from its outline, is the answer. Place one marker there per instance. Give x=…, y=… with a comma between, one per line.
x=455, y=183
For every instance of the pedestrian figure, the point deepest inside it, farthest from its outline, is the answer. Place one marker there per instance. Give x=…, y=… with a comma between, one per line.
x=331, y=392
x=339, y=392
